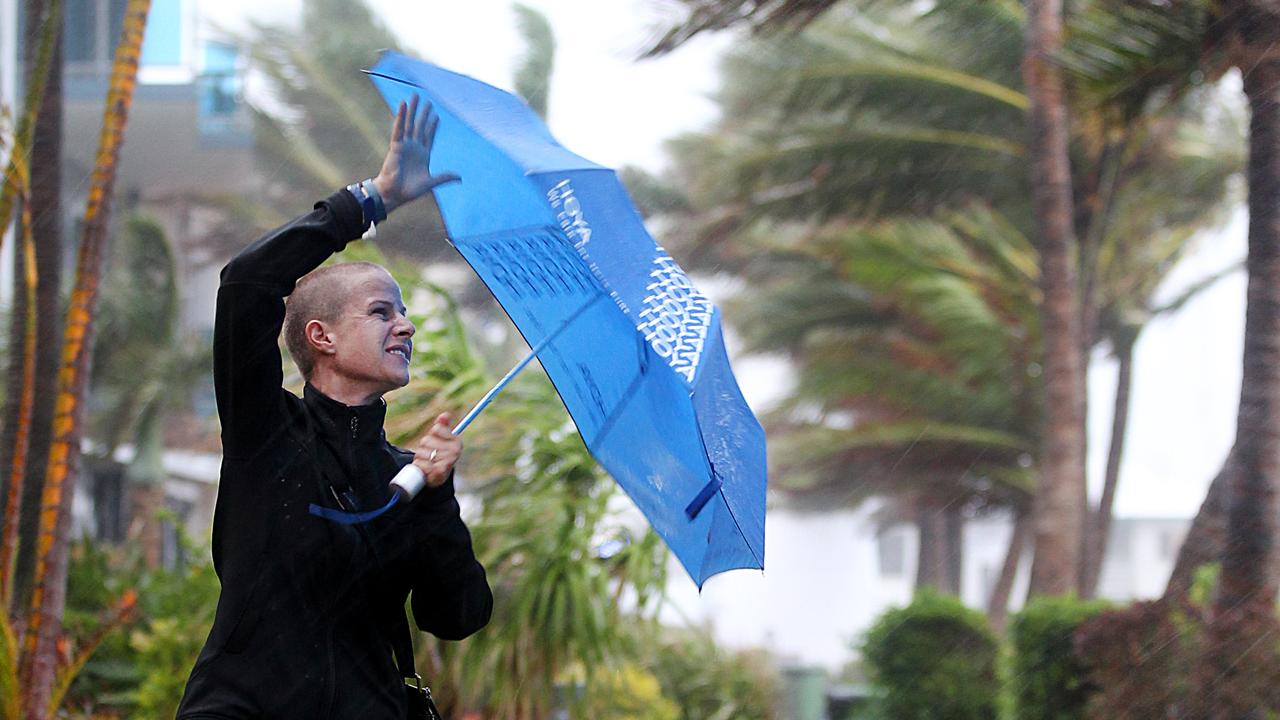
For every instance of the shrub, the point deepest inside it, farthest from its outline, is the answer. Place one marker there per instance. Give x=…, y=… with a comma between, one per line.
x=934, y=660
x=1237, y=674
x=626, y=693
x=707, y=681
x=1050, y=682
x=1140, y=659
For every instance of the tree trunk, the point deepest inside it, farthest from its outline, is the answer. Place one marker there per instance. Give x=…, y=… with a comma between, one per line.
x=998, y=603
x=1205, y=539
x=931, y=555
x=1246, y=587
x=1251, y=509
x=1059, y=503
x=953, y=560
x=938, y=563
x=40, y=653
x=1100, y=519
x=46, y=214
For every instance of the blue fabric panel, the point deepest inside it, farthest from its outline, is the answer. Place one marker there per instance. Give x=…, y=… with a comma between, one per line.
x=639, y=360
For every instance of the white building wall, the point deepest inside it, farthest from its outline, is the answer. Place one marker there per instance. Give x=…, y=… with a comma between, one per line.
x=821, y=589
x=829, y=576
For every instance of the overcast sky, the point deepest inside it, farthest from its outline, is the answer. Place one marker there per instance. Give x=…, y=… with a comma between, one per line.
x=604, y=105
x=615, y=111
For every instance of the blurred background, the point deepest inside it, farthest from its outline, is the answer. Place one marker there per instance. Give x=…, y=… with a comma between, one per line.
x=854, y=183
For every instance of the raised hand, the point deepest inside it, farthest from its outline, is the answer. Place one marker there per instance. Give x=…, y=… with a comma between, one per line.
x=405, y=175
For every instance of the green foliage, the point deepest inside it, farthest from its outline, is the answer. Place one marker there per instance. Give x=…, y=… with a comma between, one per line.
x=139, y=670
x=328, y=125
x=868, y=182
x=533, y=76
x=707, y=681
x=1051, y=681
x=167, y=650
x=144, y=368
x=929, y=328
x=627, y=693
x=1126, y=55
x=568, y=572
x=935, y=659
x=1140, y=659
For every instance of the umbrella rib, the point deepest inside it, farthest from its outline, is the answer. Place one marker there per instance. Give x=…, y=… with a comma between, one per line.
x=718, y=484
x=511, y=374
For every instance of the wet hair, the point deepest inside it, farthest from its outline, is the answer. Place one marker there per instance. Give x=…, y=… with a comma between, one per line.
x=321, y=294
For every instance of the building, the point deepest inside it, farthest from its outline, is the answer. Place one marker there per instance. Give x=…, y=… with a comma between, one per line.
x=830, y=575
x=188, y=147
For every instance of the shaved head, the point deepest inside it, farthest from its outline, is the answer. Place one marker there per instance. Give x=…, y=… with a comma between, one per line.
x=321, y=294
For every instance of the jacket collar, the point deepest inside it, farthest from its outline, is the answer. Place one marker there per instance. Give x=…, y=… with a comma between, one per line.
x=349, y=422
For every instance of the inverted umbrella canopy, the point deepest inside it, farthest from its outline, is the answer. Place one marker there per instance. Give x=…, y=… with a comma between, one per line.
x=635, y=351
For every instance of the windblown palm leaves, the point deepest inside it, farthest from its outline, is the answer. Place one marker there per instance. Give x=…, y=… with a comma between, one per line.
x=1123, y=54
x=17, y=166
x=916, y=350
x=328, y=126
x=876, y=115
x=703, y=15
x=569, y=573
x=917, y=118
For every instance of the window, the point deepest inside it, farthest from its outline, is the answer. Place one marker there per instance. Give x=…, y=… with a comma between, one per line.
x=162, y=45
x=221, y=117
x=93, y=30
x=80, y=33
x=108, y=502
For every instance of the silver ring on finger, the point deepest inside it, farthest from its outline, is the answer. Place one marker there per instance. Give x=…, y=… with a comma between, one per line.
x=432, y=457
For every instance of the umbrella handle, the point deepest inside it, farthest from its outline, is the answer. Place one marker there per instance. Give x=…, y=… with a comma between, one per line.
x=511, y=374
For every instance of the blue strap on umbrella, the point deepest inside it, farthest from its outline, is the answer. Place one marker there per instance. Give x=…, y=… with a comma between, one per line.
x=703, y=497
x=351, y=518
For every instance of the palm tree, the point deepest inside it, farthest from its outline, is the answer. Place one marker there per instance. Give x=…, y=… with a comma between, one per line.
x=329, y=121
x=39, y=664
x=141, y=363
x=912, y=340
x=1061, y=497
x=896, y=114
x=760, y=15
x=1176, y=46
x=533, y=77
x=22, y=460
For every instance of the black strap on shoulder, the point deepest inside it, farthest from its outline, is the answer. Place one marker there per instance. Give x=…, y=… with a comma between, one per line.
x=402, y=645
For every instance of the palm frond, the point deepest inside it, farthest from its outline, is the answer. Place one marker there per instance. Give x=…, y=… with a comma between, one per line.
x=533, y=75
x=1124, y=54
x=704, y=15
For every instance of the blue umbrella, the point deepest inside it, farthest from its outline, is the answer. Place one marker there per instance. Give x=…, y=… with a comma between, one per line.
x=635, y=351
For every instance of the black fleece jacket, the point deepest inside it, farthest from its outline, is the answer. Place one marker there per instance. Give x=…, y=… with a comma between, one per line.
x=308, y=607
